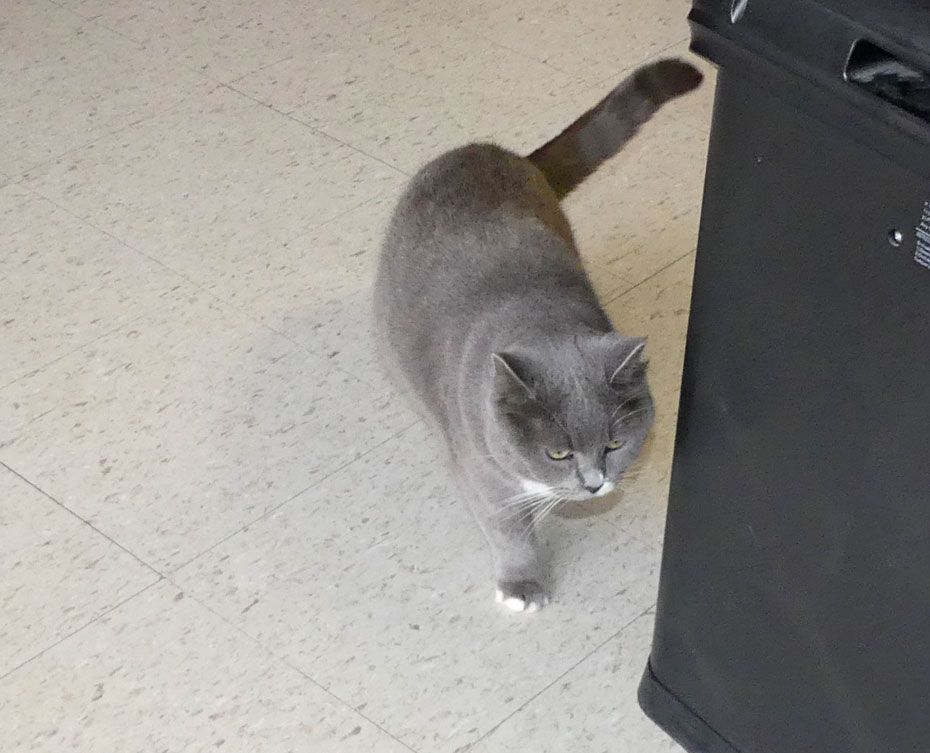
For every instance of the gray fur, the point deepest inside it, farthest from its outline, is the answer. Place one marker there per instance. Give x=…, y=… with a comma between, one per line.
x=487, y=318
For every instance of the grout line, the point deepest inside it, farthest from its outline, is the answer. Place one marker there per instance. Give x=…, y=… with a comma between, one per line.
x=297, y=348
x=237, y=305
x=459, y=25
x=104, y=133
x=648, y=278
x=597, y=89
x=314, y=129
x=21, y=175
x=103, y=25
x=285, y=661
x=196, y=285
x=69, y=352
x=84, y=520
x=232, y=304
x=82, y=627
x=272, y=510
x=182, y=275
x=259, y=69
x=330, y=693
x=558, y=679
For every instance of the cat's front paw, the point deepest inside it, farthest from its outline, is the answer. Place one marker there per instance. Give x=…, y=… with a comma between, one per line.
x=522, y=595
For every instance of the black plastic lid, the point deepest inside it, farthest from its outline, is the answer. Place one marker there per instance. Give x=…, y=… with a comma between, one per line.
x=903, y=23
x=873, y=55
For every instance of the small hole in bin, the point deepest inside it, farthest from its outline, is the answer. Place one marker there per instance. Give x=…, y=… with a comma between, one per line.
x=895, y=237
x=737, y=9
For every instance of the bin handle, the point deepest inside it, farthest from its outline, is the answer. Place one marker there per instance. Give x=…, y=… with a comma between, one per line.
x=886, y=76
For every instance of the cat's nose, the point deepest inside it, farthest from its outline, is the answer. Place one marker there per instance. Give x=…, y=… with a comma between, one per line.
x=592, y=481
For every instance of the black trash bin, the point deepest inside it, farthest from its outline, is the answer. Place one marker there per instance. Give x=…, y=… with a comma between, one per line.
x=794, y=604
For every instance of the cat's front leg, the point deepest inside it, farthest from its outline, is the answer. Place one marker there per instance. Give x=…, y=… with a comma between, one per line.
x=519, y=567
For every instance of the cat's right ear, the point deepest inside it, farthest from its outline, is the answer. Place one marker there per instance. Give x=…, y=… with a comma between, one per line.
x=511, y=387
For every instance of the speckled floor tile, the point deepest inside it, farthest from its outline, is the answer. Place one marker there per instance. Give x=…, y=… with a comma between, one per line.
x=592, y=708
x=591, y=40
x=406, y=99
x=92, y=83
x=213, y=167
x=228, y=40
x=64, y=283
x=696, y=110
x=161, y=673
x=316, y=291
x=56, y=573
x=377, y=584
x=191, y=200
x=658, y=309
x=640, y=211
x=171, y=434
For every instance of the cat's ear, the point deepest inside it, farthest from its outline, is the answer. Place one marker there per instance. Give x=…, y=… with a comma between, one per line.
x=511, y=379
x=625, y=362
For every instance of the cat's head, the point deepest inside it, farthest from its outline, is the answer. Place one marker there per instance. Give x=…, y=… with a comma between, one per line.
x=573, y=414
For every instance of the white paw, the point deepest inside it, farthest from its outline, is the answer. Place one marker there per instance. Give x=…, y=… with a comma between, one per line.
x=521, y=596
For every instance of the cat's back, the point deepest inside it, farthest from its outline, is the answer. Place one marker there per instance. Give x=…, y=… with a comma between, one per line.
x=467, y=195
x=471, y=223
x=472, y=178
x=468, y=232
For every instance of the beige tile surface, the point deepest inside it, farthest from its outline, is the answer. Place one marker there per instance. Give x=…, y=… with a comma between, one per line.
x=225, y=41
x=658, y=309
x=65, y=283
x=59, y=574
x=161, y=673
x=640, y=212
x=391, y=607
x=590, y=708
x=172, y=433
x=593, y=41
x=316, y=290
x=192, y=196
x=65, y=82
x=408, y=98
x=236, y=169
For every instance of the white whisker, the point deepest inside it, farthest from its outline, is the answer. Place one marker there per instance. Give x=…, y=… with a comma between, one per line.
x=633, y=413
x=621, y=406
x=544, y=509
x=518, y=499
x=547, y=510
x=514, y=507
x=528, y=508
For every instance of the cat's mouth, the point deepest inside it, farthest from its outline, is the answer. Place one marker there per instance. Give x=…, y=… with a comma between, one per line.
x=606, y=489
x=586, y=496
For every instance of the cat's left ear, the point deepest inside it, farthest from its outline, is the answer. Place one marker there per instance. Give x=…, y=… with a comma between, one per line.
x=625, y=362
x=511, y=378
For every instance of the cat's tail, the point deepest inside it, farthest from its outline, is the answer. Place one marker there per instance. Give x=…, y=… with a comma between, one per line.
x=603, y=130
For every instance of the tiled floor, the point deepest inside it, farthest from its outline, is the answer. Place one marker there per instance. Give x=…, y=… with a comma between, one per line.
x=219, y=528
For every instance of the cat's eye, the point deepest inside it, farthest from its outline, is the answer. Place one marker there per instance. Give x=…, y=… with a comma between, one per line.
x=615, y=444
x=559, y=454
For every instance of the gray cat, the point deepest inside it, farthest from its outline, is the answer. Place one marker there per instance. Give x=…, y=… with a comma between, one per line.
x=485, y=315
